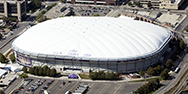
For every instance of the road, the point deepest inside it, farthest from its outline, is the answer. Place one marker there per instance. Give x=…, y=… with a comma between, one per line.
x=171, y=82
x=182, y=25
x=13, y=86
x=20, y=27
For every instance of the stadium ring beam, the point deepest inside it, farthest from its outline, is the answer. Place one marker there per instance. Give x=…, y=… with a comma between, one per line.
x=92, y=43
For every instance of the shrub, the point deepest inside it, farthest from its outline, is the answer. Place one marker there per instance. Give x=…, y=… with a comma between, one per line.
x=104, y=76
x=164, y=74
x=3, y=59
x=169, y=63
x=24, y=69
x=49, y=7
x=12, y=57
x=129, y=3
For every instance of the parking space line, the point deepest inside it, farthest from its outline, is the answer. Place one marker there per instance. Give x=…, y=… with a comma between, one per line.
x=62, y=88
x=54, y=83
x=59, y=88
x=119, y=87
x=105, y=87
x=91, y=89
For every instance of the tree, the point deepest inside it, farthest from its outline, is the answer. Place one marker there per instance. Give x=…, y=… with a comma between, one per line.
x=10, y=27
x=151, y=71
x=24, y=69
x=24, y=75
x=182, y=45
x=61, y=1
x=1, y=36
x=36, y=70
x=157, y=69
x=3, y=59
x=45, y=68
x=107, y=74
x=164, y=74
x=129, y=3
x=40, y=71
x=116, y=76
x=48, y=72
x=137, y=4
x=53, y=72
x=142, y=73
x=169, y=63
x=12, y=57
x=31, y=70
x=36, y=3
x=149, y=4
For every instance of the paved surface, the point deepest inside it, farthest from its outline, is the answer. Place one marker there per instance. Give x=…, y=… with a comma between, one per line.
x=13, y=86
x=94, y=87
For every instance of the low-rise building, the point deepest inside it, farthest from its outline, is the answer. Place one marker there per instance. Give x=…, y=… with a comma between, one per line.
x=170, y=4
x=165, y=4
x=13, y=8
x=95, y=2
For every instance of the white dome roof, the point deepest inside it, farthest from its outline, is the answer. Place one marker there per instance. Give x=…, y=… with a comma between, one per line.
x=93, y=37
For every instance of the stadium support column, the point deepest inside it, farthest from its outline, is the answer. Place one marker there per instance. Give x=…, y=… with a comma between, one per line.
x=117, y=66
x=135, y=66
x=143, y=65
x=95, y=2
x=126, y=67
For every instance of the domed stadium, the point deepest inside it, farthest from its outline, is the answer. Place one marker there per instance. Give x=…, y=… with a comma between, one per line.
x=92, y=43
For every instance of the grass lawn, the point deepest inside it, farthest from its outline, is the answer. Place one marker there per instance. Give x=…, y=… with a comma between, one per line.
x=83, y=76
x=160, y=79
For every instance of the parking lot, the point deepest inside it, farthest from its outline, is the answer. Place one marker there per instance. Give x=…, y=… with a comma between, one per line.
x=62, y=86
x=91, y=10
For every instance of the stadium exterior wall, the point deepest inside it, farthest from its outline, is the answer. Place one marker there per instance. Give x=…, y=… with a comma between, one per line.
x=118, y=65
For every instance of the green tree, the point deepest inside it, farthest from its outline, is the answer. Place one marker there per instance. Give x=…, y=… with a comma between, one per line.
x=169, y=63
x=129, y=3
x=10, y=27
x=48, y=72
x=1, y=36
x=12, y=57
x=164, y=74
x=36, y=3
x=142, y=73
x=3, y=59
x=45, y=68
x=140, y=90
x=36, y=70
x=24, y=69
x=61, y=1
x=53, y=72
x=40, y=71
x=96, y=15
x=149, y=4
x=107, y=74
x=182, y=44
x=112, y=76
x=151, y=71
x=116, y=76
x=157, y=69
x=31, y=70
x=24, y=75
x=137, y=4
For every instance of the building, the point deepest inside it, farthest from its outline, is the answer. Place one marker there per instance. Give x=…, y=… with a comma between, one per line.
x=13, y=8
x=170, y=4
x=95, y=2
x=92, y=43
x=154, y=3
x=164, y=4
